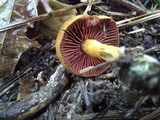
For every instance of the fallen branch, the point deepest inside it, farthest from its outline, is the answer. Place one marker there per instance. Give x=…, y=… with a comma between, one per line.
x=34, y=102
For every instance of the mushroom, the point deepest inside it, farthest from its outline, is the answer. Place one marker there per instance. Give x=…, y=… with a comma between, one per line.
x=87, y=40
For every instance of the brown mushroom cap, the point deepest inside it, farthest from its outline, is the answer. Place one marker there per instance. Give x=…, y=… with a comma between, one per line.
x=74, y=32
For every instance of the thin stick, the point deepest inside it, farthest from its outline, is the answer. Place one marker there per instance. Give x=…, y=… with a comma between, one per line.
x=85, y=95
x=141, y=5
x=41, y=17
x=96, y=67
x=115, y=13
x=138, y=19
x=46, y=6
x=121, y=24
x=154, y=48
x=89, y=6
x=155, y=114
x=130, y=5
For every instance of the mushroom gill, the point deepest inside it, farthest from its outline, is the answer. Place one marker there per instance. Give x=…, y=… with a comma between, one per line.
x=85, y=41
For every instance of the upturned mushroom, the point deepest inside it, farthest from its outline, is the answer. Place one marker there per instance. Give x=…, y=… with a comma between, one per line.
x=87, y=40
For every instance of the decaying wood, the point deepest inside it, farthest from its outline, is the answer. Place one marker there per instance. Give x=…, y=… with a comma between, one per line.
x=34, y=102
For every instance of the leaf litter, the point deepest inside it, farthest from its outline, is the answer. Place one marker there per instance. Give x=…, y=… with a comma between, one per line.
x=14, y=42
x=104, y=96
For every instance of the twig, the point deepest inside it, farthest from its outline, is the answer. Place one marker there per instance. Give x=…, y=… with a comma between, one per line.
x=141, y=5
x=85, y=96
x=89, y=6
x=137, y=31
x=121, y=24
x=13, y=80
x=46, y=6
x=155, y=114
x=34, y=102
x=113, y=74
x=141, y=101
x=138, y=19
x=96, y=67
x=114, y=13
x=146, y=2
x=41, y=17
x=112, y=103
x=131, y=6
x=157, y=47
x=110, y=115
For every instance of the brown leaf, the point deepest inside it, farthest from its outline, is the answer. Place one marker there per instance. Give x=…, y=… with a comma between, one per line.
x=14, y=42
x=7, y=64
x=52, y=25
x=26, y=86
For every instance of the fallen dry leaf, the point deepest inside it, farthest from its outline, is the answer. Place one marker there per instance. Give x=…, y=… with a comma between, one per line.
x=14, y=42
x=52, y=25
x=27, y=84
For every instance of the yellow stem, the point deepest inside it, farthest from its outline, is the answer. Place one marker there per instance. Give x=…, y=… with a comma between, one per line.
x=98, y=50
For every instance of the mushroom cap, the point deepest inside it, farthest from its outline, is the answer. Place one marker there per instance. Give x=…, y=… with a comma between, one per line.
x=74, y=32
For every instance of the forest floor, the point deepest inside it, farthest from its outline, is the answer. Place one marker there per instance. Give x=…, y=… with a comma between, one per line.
x=32, y=90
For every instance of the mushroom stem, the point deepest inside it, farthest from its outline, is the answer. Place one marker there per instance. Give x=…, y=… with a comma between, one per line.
x=98, y=50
